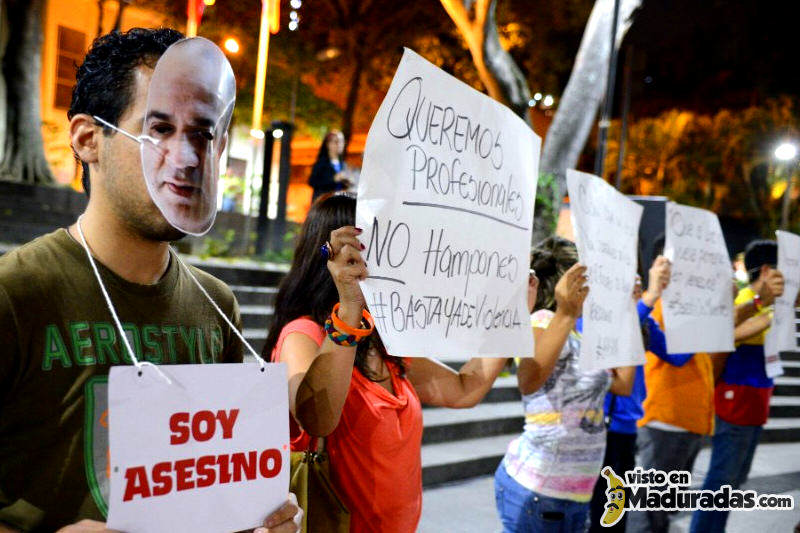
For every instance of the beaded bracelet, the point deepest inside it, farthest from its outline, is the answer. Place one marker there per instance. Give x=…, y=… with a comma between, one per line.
x=344, y=335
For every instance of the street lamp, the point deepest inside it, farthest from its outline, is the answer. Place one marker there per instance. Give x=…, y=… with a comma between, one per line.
x=786, y=152
x=231, y=45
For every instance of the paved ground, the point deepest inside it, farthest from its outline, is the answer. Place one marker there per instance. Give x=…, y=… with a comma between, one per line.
x=469, y=506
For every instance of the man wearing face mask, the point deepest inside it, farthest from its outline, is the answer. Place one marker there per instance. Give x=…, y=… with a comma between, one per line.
x=58, y=338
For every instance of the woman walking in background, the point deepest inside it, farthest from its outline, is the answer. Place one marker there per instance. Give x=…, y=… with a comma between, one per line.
x=344, y=386
x=329, y=171
x=546, y=478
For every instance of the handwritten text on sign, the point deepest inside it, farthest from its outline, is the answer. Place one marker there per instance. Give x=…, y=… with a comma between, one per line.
x=698, y=302
x=606, y=226
x=782, y=336
x=446, y=203
x=207, y=453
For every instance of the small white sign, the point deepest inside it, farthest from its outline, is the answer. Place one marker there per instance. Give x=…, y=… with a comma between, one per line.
x=446, y=204
x=698, y=302
x=606, y=225
x=782, y=335
x=207, y=453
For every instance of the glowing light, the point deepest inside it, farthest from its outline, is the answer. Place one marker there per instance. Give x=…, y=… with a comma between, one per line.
x=296, y=4
x=257, y=134
x=261, y=67
x=778, y=189
x=231, y=45
x=786, y=151
x=210, y=2
x=531, y=102
x=277, y=133
x=537, y=96
x=548, y=101
x=292, y=25
x=293, y=15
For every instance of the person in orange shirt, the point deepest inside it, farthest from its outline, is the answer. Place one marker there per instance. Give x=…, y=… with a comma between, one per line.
x=366, y=402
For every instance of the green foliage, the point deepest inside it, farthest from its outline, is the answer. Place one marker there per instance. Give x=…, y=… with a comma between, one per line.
x=546, y=208
x=219, y=247
x=722, y=162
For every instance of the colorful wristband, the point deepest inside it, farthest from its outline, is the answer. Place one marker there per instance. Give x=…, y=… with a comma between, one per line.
x=342, y=334
x=340, y=324
x=342, y=339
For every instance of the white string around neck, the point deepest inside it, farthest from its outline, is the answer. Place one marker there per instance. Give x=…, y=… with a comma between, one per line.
x=140, y=364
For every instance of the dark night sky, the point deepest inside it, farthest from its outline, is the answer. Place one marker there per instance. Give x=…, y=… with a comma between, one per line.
x=711, y=54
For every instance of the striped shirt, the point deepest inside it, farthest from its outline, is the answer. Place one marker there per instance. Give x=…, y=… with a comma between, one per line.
x=560, y=452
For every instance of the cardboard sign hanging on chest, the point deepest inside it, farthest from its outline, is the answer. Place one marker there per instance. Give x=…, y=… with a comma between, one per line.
x=208, y=452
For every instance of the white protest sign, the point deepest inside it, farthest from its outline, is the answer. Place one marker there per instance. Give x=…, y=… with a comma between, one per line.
x=698, y=302
x=208, y=452
x=606, y=225
x=782, y=336
x=446, y=203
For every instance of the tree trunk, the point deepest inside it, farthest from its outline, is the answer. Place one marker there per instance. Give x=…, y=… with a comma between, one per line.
x=352, y=99
x=118, y=22
x=23, y=147
x=496, y=68
x=581, y=99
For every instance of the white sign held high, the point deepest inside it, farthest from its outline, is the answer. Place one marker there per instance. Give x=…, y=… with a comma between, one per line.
x=782, y=336
x=207, y=453
x=446, y=204
x=606, y=225
x=698, y=303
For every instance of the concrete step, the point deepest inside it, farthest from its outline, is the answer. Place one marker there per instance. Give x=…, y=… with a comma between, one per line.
x=247, y=295
x=450, y=461
x=256, y=337
x=787, y=386
x=790, y=356
x=781, y=430
x=483, y=420
x=256, y=316
x=791, y=368
x=784, y=407
x=241, y=272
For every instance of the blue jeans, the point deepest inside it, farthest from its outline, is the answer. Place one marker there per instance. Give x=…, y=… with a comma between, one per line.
x=731, y=459
x=524, y=511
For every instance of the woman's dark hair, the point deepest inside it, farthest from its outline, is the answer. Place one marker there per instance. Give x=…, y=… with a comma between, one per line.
x=104, y=82
x=308, y=289
x=550, y=259
x=322, y=154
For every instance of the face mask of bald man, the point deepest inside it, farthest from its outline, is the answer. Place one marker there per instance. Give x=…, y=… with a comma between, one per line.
x=189, y=106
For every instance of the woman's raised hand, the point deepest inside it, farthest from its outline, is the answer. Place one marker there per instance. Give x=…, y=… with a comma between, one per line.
x=571, y=291
x=347, y=268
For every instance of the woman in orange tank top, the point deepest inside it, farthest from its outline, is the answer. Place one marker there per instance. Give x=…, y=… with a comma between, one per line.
x=366, y=402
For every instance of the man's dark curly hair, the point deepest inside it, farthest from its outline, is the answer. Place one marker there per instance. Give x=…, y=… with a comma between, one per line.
x=105, y=81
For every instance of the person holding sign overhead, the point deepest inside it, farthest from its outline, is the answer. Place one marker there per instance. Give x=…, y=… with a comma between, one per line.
x=59, y=332
x=540, y=485
x=743, y=392
x=344, y=386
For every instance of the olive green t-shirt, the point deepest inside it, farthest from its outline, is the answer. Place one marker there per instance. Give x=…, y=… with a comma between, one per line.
x=57, y=342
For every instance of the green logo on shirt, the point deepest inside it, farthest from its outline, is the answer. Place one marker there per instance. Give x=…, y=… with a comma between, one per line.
x=95, y=343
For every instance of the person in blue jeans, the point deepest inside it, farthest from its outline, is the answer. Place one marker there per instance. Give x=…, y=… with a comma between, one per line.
x=546, y=478
x=743, y=392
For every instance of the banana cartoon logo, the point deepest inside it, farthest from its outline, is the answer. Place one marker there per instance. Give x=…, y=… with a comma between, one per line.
x=615, y=493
